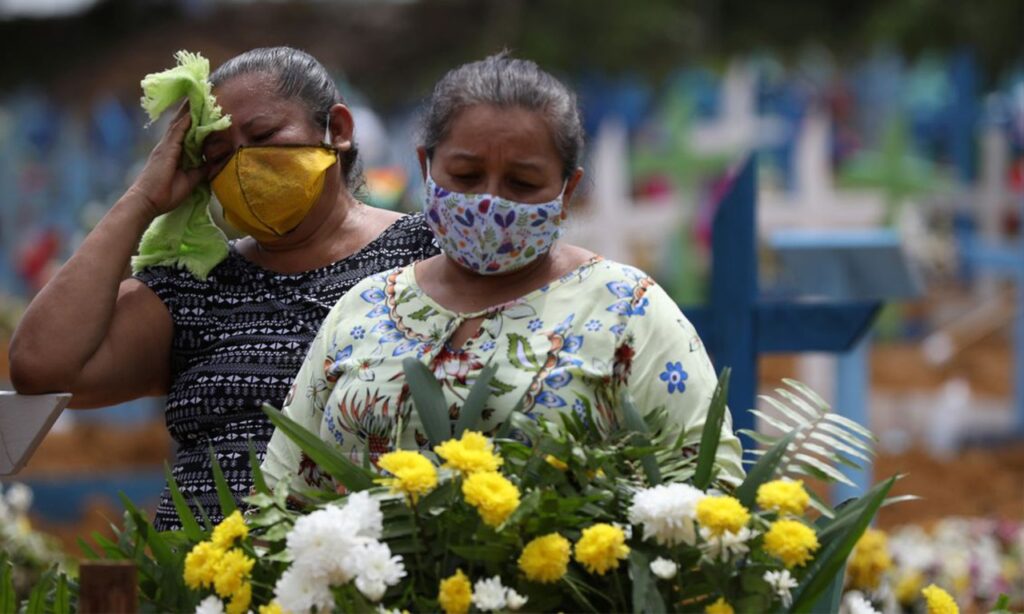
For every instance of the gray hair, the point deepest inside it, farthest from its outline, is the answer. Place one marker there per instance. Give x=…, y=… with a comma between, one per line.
x=504, y=81
x=299, y=77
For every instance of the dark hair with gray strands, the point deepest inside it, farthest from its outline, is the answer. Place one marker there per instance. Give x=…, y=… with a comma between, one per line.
x=504, y=81
x=299, y=77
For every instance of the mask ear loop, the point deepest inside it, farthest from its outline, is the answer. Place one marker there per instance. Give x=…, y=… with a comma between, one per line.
x=327, y=131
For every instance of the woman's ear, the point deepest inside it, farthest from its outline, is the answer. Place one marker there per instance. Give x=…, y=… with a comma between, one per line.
x=571, y=185
x=342, y=127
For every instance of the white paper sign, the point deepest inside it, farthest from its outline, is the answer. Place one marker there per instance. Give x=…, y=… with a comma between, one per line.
x=24, y=421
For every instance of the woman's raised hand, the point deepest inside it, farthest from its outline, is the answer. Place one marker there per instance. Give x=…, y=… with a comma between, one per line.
x=163, y=184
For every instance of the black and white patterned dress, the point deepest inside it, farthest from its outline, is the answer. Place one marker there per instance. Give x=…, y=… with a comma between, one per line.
x=239, y=339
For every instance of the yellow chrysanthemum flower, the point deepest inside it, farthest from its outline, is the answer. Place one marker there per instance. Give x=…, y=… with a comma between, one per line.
x=545, y=559
x=472, y=453
x=231, y=528
x=232, y=570
x=939, y=601
x=413, y=473
x=555, y=462
x=492, y=495
x=719, y=607
x=721, y=514
x=455, y=594
x=201, y=564
x=869, y=560
x=783, y=496
x=271, y=608
x=909, y=587
x=791, y=541
x=601, y=547
x=240, y=601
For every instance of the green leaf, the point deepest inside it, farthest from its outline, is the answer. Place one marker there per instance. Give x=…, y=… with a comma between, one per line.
x=62, y=597
x=712, y=434
x=846, y=423
x=833, y=595
x=834, y=552
x=224, y=494
x=8, y=601
x=188, y=519
x=429, y=401
x=763, y=471
x=109, y=548
x=473, y=407
x=797, y=418
x=344, y=471
x=484, y=554
x=840, y=446
x=157, y=545
x=258, y=481
x=86, y=550
x=37, y=598
x=646, y=597
x=782, y=427
x=634, y=422
x=826, y=469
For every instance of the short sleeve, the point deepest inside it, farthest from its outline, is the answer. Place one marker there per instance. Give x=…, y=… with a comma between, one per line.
x=305, y=405
x=164, y=282
x=671, y=369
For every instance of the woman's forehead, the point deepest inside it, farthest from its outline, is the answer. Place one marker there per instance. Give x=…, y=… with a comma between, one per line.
x=481, y=130
x=245, y=96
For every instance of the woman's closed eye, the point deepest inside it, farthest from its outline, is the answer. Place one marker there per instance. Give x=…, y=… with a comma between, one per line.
x=263, y=136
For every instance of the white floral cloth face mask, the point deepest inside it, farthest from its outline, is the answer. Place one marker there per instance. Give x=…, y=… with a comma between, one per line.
x=488, y=234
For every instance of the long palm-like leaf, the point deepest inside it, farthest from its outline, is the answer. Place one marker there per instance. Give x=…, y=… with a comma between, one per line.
x=822, y=442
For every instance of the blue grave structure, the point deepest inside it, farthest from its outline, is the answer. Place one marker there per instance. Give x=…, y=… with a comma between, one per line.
x=1005, y=260
x=826, y=301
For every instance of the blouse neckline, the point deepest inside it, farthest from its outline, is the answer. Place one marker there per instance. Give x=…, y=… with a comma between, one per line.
x=315, y=271
x=408, y=277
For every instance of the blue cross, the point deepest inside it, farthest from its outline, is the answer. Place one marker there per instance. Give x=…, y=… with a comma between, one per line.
x=738, y=323
x=1007, y=261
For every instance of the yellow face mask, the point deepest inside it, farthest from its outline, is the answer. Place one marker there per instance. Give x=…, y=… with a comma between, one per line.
x=267, y=191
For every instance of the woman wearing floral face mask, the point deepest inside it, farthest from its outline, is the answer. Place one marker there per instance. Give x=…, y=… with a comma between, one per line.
x=221, y=347
x=568, y=330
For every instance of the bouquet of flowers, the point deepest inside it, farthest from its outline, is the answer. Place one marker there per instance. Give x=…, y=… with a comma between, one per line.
x=538, y=516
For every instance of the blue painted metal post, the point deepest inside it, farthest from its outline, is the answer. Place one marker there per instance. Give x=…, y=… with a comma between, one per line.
x=852, y=386
x=738, y=323
x=734, y=292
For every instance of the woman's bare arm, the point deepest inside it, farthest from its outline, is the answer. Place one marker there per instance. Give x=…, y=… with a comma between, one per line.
x=89, y=331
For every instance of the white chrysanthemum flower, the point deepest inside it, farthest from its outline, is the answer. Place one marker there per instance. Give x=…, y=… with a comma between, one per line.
x=320, y=544
x=371, y=589
x=298, y=591
x=375, y=568
x=514, y=600
x=19, y=497
x=489, y=595
x=855, y=603
x=667, y=513
x=366, y=510
x=782, y=582
x=664, y=568
x=382, y=610
x=727, y=545
x=210, y=605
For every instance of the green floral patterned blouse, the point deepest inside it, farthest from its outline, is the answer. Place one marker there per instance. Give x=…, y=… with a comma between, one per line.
x=572, y=344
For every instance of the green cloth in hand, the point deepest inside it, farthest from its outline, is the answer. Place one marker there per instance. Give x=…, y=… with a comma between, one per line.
x=186, y=237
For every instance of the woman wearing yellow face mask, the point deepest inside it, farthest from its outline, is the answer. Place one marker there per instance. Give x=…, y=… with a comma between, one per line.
x=219, y=348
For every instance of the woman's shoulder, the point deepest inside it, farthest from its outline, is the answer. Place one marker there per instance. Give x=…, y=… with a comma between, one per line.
x=601, y=272
x=409, y=230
